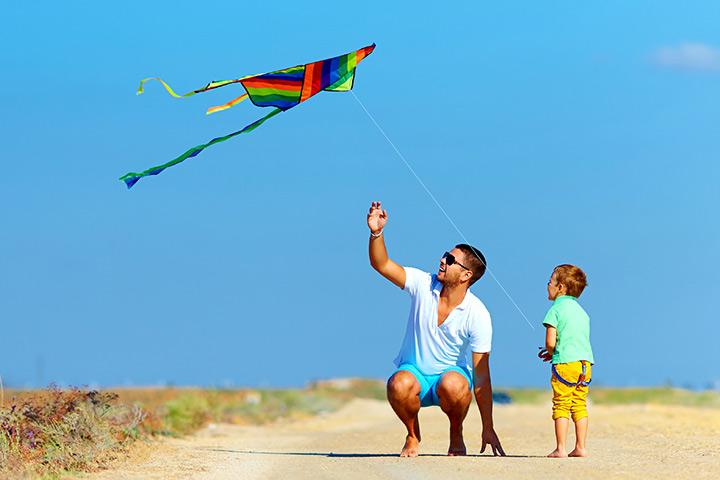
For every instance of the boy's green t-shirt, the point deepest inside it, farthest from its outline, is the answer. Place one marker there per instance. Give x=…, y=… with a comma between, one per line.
x=573, y=330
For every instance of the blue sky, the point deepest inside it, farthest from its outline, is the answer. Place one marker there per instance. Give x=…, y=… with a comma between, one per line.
x=550, y=133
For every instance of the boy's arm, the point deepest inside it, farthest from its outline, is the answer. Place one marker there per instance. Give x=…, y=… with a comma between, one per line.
x=550, y=339
x=483, y=397
x=376, y=219
x=550, y=343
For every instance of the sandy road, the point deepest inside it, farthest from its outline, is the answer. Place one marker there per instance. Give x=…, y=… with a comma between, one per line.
x=362, y=441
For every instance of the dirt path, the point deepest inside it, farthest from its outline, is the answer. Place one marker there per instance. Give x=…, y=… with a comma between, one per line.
x=362, y=440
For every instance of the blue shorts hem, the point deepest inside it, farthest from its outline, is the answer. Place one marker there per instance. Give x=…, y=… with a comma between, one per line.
x=428, y=383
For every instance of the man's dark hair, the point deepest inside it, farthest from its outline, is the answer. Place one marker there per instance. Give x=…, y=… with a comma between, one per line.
x=474, y=260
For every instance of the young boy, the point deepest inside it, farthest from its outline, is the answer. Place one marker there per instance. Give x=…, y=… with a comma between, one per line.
x=567, y=345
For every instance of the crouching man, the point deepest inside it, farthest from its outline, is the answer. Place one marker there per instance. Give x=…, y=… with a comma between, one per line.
x=444, y=356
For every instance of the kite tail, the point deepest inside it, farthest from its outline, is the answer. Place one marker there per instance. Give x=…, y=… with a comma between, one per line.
x=132, y=178
x=210, y=86
x=227, y=105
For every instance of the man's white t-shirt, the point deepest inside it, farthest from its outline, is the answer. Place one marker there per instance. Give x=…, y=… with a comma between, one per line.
x=432, y=348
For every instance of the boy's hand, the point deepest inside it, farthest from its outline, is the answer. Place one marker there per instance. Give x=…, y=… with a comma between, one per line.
x=377, y=217
x=544, y=354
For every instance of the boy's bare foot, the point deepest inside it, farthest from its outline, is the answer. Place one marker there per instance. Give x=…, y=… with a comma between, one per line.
x=578, y=452
x=557, y=453
x=411, y=448
x=457, y=447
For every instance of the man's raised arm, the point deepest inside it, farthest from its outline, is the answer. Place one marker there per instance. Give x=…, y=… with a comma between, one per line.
x=376, y=220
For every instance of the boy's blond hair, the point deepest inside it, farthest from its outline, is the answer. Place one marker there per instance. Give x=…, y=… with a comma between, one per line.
x=572, y=277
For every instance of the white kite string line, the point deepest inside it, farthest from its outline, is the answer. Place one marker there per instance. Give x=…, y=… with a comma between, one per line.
x=427, y=190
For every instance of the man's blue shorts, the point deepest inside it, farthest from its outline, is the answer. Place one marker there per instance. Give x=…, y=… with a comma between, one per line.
x=428, y=383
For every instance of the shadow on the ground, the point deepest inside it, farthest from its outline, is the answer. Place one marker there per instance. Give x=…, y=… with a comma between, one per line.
x=350, y=455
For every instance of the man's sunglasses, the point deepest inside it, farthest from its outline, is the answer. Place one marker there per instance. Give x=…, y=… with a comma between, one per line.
x=450, y=259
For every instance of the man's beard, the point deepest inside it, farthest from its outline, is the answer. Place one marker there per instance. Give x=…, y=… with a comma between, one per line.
x=449, y=282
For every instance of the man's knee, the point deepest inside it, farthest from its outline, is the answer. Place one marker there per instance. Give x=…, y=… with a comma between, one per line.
x=453, y=388
x=402, y=384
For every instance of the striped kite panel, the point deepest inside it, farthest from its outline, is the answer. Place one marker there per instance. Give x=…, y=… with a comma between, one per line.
x=334, y=74
x=313, y=80
x=279, y=89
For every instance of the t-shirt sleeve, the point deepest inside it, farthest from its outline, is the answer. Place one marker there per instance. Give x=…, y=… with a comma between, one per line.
x=481, y=333
x=551, y=318
x=414, y=278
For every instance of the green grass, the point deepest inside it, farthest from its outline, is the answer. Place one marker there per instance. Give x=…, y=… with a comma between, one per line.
x=625, y=396
x=525, y=395
x=658, y=396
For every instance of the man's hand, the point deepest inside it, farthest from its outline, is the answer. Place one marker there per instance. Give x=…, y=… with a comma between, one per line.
x=483, y=396
x=544, y=355
x=376, y=220
x=377, y=217
x=489, y=437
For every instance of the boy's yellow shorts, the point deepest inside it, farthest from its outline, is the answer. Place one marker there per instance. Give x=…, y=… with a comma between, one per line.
x=569, y=400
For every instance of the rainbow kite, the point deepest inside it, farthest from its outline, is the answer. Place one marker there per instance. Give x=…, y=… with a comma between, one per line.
x=282, y=89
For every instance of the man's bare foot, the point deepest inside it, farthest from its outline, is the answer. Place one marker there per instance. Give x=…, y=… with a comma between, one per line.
x=557, y=453
x=578, y=452
x=411, y=448
x=457, y=448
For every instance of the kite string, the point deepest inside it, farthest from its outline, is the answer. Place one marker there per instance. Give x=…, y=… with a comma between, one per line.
x=430, y=194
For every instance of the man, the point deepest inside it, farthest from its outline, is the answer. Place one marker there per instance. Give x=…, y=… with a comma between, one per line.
x=447, y=342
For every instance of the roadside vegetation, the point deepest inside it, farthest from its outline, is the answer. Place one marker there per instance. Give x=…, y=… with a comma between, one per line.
x=52, y=432
x=56, y=431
